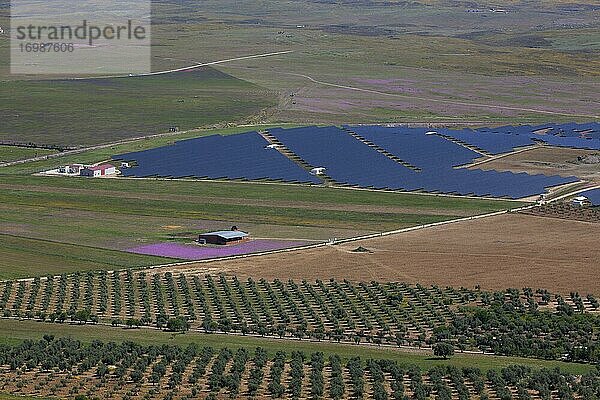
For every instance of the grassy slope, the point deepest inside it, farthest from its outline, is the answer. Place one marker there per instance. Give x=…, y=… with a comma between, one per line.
x=422, y=52
x=103, y=110
x=12, y=331
x=173, y=199
x=266, y=192
x=14, y=153
x=438, y=70
x=100, y=203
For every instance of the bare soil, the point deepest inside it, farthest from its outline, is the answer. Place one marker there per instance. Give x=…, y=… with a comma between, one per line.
x=549, y=161
x=512, y=250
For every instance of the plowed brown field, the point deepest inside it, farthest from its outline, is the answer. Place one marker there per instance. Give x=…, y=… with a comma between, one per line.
x=511, y=250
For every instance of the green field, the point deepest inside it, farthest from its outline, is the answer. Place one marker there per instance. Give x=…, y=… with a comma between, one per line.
x=431, y=63
x=23, y=257
x=48, y=219
x=14, y=153
x=12, y=331
x=106, y=151
x=102, y=110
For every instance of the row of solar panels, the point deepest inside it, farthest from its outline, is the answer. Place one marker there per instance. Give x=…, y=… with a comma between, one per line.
x=352, y=162
x=590, y=130
x=592, y=195
x=243, y=156
x=346, y=159
x=506, y=138
x=416, y=146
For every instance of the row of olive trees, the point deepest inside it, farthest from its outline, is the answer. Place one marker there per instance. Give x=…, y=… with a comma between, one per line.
x=283, y=374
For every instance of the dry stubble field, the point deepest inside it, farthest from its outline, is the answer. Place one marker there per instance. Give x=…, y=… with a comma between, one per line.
x=511, y=250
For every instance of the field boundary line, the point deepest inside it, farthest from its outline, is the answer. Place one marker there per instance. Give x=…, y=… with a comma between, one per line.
x=95, y=147
x=190, y=67
x=433, y=225
x=250, y=57
x=425, y=349
x=402, y=349
x=340, y=241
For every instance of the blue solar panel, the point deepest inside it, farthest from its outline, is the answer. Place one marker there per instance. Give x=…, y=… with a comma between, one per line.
x=416, y=146
x=592, y=195
x=350, y=161
x=345, y=159
x=589, y=130
x=505, y=139
x=242, y=156
x=494, y=142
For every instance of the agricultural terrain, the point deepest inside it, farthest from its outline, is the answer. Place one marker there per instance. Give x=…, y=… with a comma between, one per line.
x=68, y=224
x=105, y=294
x=106, y=110
x=512, y=250
x=394, y=314
x=14, y=153
x=429, y=62
x=106, y=370
x=302, y=354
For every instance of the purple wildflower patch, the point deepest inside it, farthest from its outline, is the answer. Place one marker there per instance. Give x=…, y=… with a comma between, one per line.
x=197, y=252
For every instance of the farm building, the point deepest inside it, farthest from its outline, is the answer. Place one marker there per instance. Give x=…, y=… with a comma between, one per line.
x=71, y=169
x=99, y=170
x=222, y=237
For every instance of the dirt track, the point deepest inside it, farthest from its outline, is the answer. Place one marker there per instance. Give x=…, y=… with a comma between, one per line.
x=511, y=250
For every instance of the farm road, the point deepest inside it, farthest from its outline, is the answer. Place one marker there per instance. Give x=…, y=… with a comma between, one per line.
x=102, y=146
x=453, y=102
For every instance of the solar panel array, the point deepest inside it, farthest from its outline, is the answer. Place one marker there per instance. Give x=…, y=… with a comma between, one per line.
x=592, y=195
x=242, y=156
x=352, y=162
x=361, y=156
x=416, y=146
x=505, y=139
x=490, y=142
x=347, y=160
x=590, y=130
